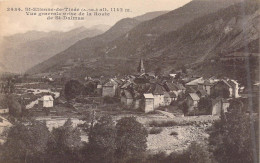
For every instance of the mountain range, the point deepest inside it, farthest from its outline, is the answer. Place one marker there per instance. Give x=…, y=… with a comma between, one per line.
x=190, y=35
x=86, y=47
x=23, y=51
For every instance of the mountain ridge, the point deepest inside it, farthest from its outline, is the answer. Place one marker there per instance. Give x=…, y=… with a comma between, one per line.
x=197, y=41
x=35, y=46
x=86, y=47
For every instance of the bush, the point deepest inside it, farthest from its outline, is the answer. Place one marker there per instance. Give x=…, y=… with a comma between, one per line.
x=155, y=130
x=174, y=133
x=162, y=123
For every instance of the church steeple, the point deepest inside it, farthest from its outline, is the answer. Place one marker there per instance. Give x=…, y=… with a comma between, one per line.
x=140, y=67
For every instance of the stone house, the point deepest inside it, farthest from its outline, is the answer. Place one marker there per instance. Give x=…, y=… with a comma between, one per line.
x=174, y=87
x=4, y=110
x=99, y=90
x=158, y=94
x=235, y=88
x=109, y=89
x=170, y=87
x=190, y=90
x=219, y=105
x=169, y=97
x=124, y=86
x=201, y=93
x=127, y=98
x=193, y=100
x=46, y=101
x=206, y=86
x=194, y=83
x=221, y=87
x=137, y=103
x=148, y=102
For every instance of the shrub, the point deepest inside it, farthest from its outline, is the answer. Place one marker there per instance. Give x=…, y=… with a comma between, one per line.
x=155, y=130
x=174, y=133
x=162, y=123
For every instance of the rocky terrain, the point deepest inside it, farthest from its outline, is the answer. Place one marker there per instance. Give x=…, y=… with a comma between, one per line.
x=187, y=130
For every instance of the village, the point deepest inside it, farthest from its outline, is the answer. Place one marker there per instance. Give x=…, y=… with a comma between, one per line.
x=192, y=102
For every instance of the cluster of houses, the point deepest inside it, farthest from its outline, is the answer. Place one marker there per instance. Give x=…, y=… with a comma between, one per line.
x=147, y=92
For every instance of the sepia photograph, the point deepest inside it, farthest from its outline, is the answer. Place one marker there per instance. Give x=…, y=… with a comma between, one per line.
x=129, y=81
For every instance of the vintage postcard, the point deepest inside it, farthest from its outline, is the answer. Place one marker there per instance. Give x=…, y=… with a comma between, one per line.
x=129, y=81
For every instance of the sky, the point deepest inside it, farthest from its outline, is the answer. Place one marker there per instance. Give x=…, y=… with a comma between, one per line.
x=19, y=22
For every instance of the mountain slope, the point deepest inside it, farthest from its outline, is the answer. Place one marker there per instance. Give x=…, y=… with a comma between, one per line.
x=101, y=27
x=22, y=51
x=150, y=15
x=221, y=32
x=210, y=35
x=205, y=39
x=130, y=41
x=145, y=33
x=85, y=48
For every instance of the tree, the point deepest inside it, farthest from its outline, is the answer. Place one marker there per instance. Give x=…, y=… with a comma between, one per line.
x=236, y=105
x=64, y=144
x=90, y=88
x=3, y=101
x=196, y=153
x=26, y=143
x=67, y=135
x=184, y=107
x=15, y=108
x=205, y=105
x=233, y=138
x=131, y=138
x=72, y=89
x=102, y=141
